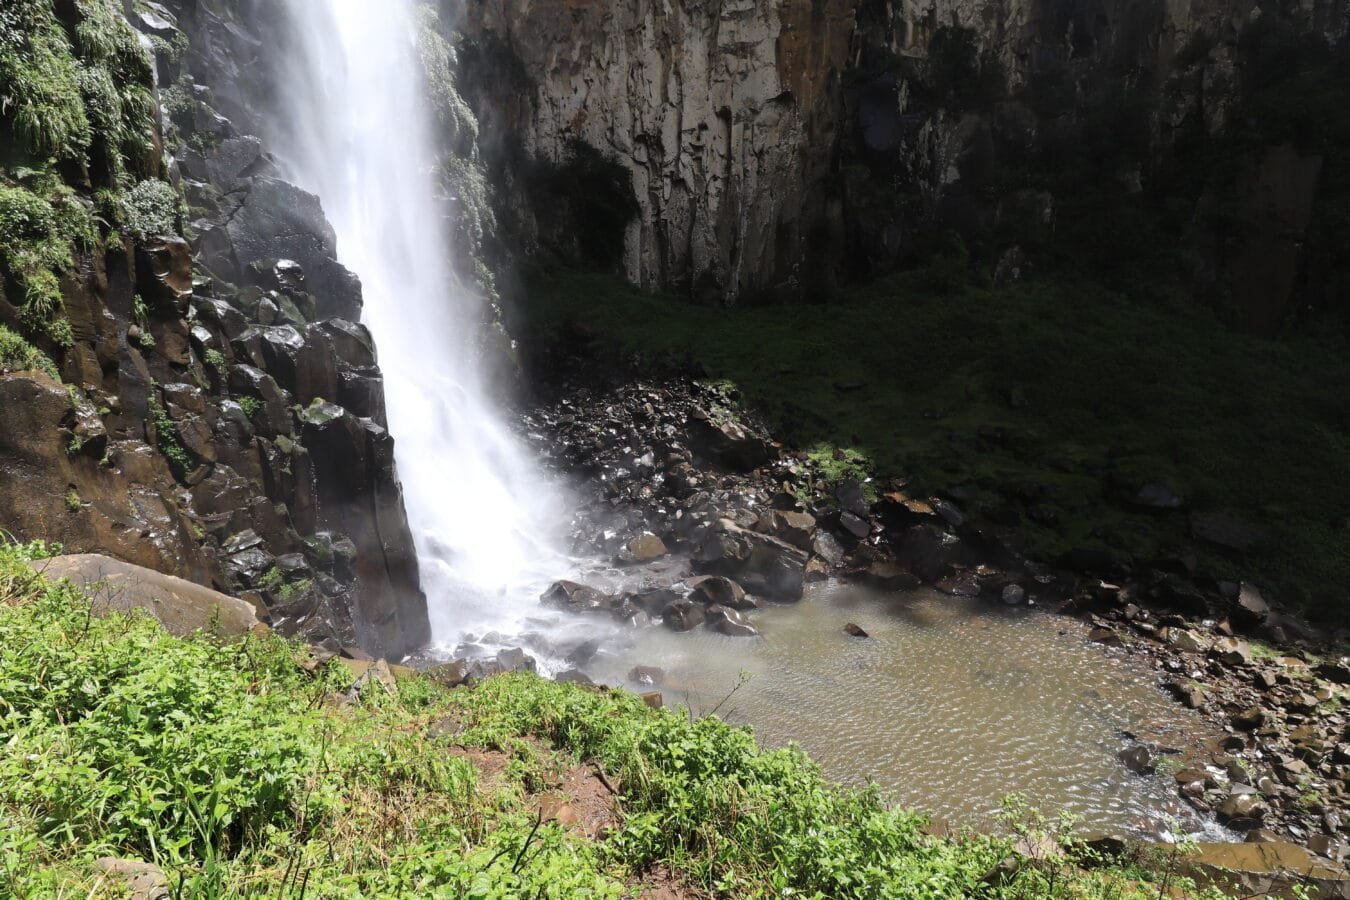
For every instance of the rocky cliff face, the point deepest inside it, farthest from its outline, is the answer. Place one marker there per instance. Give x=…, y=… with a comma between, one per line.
x=777, y=147
x=222, y=413
x=721, y=113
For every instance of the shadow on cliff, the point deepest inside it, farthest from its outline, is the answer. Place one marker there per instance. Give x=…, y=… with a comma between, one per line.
x=1059, y=410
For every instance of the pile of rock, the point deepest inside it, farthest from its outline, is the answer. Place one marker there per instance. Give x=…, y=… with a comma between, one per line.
x=1283, y=765
x=675, y=474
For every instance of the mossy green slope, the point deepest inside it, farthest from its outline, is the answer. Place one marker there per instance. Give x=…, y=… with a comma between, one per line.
x=236, y=770
x=1051, y=403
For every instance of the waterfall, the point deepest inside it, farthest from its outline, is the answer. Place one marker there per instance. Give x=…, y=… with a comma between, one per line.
x=354, y=129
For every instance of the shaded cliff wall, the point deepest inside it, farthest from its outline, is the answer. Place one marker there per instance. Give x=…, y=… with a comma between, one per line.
x=723, y=115
x=779, y=148
x=221, y=416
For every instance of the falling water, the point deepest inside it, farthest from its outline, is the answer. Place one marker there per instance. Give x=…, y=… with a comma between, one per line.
x=356, y=131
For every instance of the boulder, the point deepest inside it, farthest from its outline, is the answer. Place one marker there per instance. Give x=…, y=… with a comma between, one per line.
x=683, y=615
x=760, y=563
x=574, y=597
x=1014, y=595
x=1138, y=759
x=1188, y=692
x=1250, y=609
x=890, y=576
x=182, y=607
x=652, y=600
x=1228, y=532
x=647, y=675
x=797, y=528
x=1264, y=868
x=139, y=880
x=856, y=631
x=853, y=499
x=278, y=220
x=356, y=493
x=351, y=342
x=1239, y=807
x=931, y=553
x=827, y=548
x=727, y=442
x=855, y=524
x=1188, y=641
x=730, y=622
x=1336, y=670
x=164, y=274
x=718, y=590
x=645, y=548
x=1232, y=651
x=274, y=416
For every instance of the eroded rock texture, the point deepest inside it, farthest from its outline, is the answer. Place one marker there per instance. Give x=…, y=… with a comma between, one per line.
x=720, y=111
x=778, y=147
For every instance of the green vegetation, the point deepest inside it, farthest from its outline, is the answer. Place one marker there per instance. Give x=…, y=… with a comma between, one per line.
x=41, y=94
x=294, y=589
x=17, y=355
x=151, y=208
x=39, y=226
x=76, y=108
x=75, y=88
x=245, y=770
x=216, y=360
x=166, y=437
x=1051, y=404
x=249, y=404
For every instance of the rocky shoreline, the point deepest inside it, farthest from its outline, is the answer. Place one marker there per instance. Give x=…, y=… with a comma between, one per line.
x=717, y=518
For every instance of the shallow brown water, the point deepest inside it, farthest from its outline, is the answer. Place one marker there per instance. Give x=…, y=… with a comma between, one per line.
x=949, y=707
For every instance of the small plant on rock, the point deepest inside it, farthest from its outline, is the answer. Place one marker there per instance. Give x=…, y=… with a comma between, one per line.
x=17, y=355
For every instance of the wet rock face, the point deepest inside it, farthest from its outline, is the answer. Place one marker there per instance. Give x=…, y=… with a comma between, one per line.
x=228, y=422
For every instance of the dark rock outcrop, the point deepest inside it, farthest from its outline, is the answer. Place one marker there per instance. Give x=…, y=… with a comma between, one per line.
x=201, y=436
x=763, y=564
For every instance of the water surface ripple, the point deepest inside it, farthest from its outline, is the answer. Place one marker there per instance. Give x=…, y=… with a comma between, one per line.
x=950, y=706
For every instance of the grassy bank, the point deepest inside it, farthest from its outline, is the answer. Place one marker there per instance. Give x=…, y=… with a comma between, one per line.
x=1050, y=404
x=243, y=774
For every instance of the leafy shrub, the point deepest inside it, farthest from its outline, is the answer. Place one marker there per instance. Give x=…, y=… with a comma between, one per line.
x=249, y=404
x=151, y=208
x=17, y=355
x=39, y=228
x=39, y=82
x=62, y=99
x=216, y=360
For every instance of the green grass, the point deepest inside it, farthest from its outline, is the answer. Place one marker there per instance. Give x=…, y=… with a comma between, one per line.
x=1054, y=399
x=238, y=772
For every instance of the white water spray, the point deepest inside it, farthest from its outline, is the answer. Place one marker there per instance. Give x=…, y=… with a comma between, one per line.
x=356, y=131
